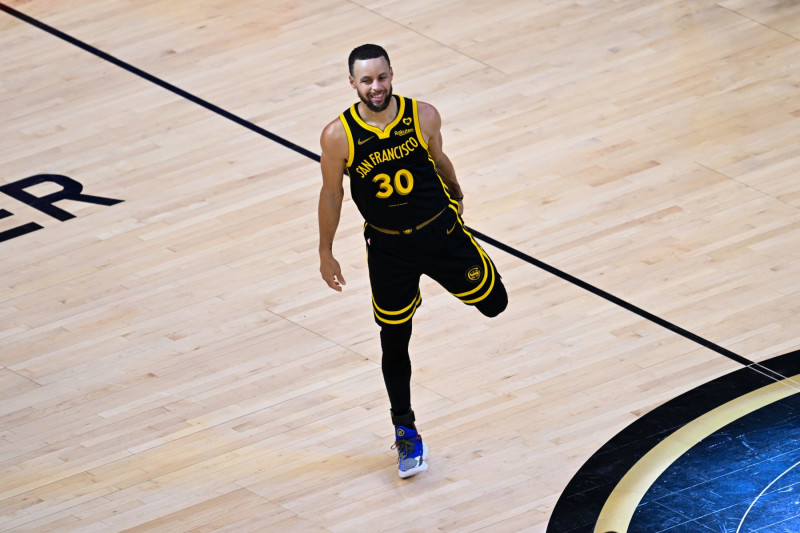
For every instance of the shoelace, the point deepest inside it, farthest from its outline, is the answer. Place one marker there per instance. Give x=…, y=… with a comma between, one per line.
x=404, y=447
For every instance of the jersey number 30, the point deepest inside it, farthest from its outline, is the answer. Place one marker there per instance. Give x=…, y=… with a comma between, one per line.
x=403, y=183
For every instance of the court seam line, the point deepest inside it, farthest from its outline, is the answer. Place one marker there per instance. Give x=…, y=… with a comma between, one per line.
x=757, y=22
x=311, y=155
x=429, y=38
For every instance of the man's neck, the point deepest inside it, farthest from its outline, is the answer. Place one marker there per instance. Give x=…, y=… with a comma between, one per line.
x=379, y=119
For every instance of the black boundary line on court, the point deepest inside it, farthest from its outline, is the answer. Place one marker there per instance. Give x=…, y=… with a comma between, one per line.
x=311, y=155
x=161, y=83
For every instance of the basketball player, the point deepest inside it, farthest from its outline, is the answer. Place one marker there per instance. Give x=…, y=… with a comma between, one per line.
x=406, y=189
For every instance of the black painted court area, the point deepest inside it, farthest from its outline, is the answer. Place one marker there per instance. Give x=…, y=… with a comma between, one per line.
x=712, y=486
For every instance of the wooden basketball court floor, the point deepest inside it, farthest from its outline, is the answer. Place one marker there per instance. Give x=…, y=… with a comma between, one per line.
x=173, y=362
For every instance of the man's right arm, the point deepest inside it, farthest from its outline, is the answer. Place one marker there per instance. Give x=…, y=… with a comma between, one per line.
x=334, y=155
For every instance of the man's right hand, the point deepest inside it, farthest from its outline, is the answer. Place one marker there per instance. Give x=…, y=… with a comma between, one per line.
x=331, y=272
x=335, y=149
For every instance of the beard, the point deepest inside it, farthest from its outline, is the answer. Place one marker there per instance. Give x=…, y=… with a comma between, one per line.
x=376, y=108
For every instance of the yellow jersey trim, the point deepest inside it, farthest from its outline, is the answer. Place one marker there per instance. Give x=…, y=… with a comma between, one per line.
x=418, y=126
x=387, y=131
x=400, y=312
x=350, y=147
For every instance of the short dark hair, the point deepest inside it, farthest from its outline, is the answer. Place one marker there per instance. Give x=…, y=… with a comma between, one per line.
x=366, y=51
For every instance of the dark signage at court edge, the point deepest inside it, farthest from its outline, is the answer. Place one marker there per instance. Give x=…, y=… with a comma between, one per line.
x=70, y=190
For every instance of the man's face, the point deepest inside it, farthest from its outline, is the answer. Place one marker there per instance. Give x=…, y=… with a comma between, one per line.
x=372, y=80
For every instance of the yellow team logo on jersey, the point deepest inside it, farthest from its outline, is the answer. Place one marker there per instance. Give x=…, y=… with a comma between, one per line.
x=407, y=121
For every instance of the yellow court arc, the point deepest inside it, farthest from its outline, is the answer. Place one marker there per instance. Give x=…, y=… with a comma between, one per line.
x=618, y=510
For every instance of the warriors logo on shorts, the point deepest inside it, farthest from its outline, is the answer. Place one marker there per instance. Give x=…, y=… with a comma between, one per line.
x=474, y=274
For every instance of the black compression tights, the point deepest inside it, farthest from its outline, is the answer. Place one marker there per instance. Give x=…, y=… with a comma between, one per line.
x=396, y=365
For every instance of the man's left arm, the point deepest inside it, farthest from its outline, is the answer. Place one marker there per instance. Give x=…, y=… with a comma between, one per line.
x=431, y=125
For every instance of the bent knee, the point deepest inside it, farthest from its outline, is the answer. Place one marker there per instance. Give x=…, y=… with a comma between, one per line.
x=494, y=304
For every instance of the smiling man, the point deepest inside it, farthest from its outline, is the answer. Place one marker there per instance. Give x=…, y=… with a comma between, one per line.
x=406, y=189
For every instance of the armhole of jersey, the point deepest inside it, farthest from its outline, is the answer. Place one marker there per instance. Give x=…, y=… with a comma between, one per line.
x=350, y=148
x=417, y=125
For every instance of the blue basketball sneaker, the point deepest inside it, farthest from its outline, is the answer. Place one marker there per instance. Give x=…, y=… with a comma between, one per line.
x=411, y=452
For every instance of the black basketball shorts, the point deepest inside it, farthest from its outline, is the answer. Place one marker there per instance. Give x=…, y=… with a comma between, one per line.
x=443, y=250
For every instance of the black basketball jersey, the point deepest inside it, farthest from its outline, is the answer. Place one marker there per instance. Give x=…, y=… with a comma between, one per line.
x=393, y=179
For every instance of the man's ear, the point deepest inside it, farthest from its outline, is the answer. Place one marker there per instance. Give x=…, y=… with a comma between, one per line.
x=352, y=82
